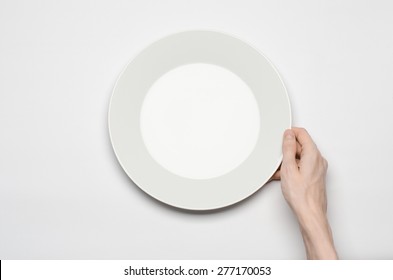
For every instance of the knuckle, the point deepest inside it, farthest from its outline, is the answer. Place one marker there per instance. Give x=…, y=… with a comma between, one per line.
x=325, y=163
x=303, y=130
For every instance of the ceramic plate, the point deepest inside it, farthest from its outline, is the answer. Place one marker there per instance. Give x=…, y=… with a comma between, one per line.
x=196, y=120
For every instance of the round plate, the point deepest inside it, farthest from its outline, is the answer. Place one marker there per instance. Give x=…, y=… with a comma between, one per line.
x=189, y=48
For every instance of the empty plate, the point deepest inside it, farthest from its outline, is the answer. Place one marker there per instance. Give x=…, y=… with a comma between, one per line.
x=196, y=120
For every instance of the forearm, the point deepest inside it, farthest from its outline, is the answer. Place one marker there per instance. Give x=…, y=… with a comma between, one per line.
x=317, y=236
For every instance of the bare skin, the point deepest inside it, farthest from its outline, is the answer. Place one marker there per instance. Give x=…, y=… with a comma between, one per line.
x=302, y=175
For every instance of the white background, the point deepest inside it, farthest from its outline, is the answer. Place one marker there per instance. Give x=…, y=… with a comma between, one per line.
x=63, y=194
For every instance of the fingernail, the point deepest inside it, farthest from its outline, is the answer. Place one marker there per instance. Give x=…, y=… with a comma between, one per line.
x=289, y=134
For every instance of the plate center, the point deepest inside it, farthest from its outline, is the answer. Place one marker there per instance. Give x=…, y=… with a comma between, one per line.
x=200, y=121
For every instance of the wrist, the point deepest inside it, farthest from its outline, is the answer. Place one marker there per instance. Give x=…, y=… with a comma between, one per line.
x=307, y=213
x=317, y=235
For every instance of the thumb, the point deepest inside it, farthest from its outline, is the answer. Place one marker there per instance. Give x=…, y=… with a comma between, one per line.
x=289, y=149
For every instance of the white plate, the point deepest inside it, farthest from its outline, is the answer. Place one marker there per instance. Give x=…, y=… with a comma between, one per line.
x=153, y=155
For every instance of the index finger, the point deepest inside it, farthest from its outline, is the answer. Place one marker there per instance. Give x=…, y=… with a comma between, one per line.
x=303, y=137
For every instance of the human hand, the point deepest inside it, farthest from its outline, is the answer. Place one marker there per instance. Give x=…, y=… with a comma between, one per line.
x=302, y=174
